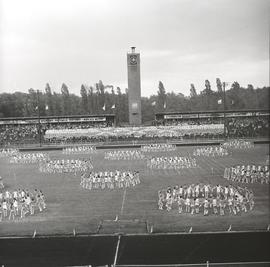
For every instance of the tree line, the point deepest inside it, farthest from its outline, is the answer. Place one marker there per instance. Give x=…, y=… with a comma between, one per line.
x=103, y=99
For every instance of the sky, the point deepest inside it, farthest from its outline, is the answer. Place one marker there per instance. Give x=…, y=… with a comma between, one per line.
x=180, y=42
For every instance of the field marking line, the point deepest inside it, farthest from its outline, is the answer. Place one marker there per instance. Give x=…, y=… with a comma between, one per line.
x=123, y=202
x=15, y=178
x=116, y=251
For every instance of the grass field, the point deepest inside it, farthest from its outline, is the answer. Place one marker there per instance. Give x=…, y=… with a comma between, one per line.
x=69, y=206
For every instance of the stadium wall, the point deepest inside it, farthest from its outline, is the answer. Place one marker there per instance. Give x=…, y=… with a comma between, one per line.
x=130, y=145
x=136, y=249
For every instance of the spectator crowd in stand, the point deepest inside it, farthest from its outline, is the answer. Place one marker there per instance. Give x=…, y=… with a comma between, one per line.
x=16, y=133
x=251, y=127
x=92, y=132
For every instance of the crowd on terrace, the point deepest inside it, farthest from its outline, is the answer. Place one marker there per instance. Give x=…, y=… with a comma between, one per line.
x=67, y=132
x=241, y=127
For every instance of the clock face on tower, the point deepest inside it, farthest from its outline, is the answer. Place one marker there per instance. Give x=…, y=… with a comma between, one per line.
x=133, y=60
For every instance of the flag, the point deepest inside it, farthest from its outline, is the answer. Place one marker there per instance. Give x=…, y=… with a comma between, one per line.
x=104, y=107
x=47, y=107
x=113, y=106
x=219, y=101
x=165, y=105
x=153, y=103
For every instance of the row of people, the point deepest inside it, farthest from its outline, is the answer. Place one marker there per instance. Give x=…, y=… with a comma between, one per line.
x=208, y=199
x=79, y=150
x=247, y=174
x=124, y=155
x=211, y=151
x=66, y=166
x=8, y=152
x=110, y=179
x=29, y=157
x=174, y=162
x=19, y=203
x=133, y=133
x=238, y=144
x=158, y=147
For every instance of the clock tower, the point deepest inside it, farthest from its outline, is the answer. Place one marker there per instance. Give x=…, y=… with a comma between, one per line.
x=134, y=88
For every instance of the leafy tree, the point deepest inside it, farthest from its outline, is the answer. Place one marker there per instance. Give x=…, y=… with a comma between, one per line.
x=250, y=87
x=63, y=103
x=49, y=100
x=193, y=92
x=207, y=89
x=84, y=99
x=219, y=85
x=161, y=99
x=91, y=100
x=65, y=100
x=101, y=89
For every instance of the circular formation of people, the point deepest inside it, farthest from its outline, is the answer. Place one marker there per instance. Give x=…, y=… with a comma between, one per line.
x=110, y=179
x=124, y=155
x=79, y=150
x=65, y=166
x=17, y=204
x=174, y=162
x=247, y=174
x=158, y=148
x=29, y=157
x=190, y=199
x=238, y=144
x=210, y=151
x=206, y=199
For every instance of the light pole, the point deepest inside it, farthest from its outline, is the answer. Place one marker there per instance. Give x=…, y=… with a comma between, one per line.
x=39, y=126
x=224, y=107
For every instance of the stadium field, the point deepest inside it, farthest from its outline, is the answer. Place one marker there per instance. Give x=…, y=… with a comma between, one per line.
x=70, y=207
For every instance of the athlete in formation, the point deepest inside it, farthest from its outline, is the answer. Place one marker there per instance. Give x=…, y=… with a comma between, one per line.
x=248, y=174
x=206, y=199
x=8, y=152
x=66, y=166
x=211, y=151
x=110, y=179
x=17, y=204
x=80, y=150
x=29, y=157
x=158, y=148
x=174, y=162
x=238, y=144
x=124, y=155
x=2, y=186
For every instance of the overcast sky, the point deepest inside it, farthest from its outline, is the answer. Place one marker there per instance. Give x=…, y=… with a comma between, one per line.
x=180, y=41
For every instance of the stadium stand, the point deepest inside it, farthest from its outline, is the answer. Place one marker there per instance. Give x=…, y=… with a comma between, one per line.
x=166, y=126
